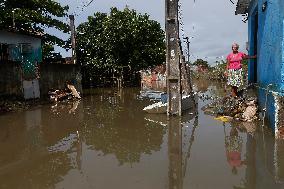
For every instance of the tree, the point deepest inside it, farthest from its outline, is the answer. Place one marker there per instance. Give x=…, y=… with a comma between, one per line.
x=201, y=63
x=120, y=39
x=33, y=16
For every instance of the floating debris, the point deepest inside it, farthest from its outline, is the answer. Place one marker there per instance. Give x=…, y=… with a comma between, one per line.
x=250, y=111
x=280, y=134
x=229, y=108
x=187, y=101
x=59, y=95
x=224, y=118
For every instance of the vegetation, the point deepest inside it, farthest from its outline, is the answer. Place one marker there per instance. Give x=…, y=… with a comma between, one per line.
x=201, y=63
x=216, y=72
x=107, y=45
x=33, y=16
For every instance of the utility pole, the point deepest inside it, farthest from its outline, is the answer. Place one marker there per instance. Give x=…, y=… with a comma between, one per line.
x=173, y=58
x=187, y=45
x=73, y=41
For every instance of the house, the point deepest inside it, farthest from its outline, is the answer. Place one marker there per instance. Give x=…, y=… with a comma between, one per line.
x=266, y=39
x=24, y=75
x=20, y=57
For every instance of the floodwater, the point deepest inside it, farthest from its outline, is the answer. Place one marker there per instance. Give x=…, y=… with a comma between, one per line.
x=106, y=141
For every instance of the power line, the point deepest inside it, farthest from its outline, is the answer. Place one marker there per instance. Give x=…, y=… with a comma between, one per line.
x=89, y=3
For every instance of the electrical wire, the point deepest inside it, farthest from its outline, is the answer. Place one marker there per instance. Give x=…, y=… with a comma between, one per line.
x=181, y=24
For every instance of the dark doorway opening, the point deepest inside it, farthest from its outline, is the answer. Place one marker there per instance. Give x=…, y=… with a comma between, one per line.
x=255, y=46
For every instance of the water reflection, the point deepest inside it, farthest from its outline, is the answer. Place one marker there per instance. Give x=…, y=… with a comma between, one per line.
x=35, y=146
x=181, y=133
x=269, y=159
x=65, y=107
x=252, y=154
x=263, y=161
x=175, y=153
x=120, y=129
x=233, y=146
x=106, y=141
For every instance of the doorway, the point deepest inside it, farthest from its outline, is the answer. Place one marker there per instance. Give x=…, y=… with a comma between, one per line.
x=253, y=50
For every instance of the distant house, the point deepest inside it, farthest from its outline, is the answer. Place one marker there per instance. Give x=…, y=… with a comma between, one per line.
x=266, y=39
x=24, y=48
x=20, y=57
x=24, y=75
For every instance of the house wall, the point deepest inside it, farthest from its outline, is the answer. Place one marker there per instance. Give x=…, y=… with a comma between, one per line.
x=266, y=103
x=279, y=114
x=14, y=38
x=270, y=54
x=25, y=49
x=10, y=80
x=54, y=76
x=270, y=48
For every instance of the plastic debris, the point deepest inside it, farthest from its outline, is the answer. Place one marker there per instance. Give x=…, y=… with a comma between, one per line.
x=224, y=118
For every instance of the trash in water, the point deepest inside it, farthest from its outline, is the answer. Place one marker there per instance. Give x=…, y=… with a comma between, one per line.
x=229, y=108
x=224, y=118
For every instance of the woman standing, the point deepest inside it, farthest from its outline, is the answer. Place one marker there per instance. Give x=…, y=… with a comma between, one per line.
x=234, y=68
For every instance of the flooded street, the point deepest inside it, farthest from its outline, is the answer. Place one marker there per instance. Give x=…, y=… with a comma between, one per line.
x=106, y=141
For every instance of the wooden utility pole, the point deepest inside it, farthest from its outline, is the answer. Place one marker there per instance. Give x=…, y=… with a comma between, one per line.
x=73, y=41
x=173, y=58
x=185, y=77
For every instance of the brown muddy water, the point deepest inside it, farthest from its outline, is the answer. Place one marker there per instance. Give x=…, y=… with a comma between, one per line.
x=106, y=141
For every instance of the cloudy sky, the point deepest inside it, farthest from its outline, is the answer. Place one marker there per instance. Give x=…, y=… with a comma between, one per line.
x=211, y=24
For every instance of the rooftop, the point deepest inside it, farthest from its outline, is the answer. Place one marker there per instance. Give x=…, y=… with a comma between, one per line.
x=24, y=32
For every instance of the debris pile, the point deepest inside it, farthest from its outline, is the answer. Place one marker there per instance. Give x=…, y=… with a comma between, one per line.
x=58, y=95
x=280, y=133
x=68, y=93
x=12, y=106
x=233, y=108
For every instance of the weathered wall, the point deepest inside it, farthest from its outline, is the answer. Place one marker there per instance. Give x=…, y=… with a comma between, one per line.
x=14, y=38
x=267, y=101
x=270, y=51
x=54, y=76
x=279, y=121
x=10, y=80
x=25, y=49
x=270, y=47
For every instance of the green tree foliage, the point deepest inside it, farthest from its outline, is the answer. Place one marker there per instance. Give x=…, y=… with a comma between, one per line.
x=200, y=62
x=120, y=39
x=34, y=16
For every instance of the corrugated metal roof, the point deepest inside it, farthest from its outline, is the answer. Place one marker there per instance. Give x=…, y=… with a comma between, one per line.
x=242, y=7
